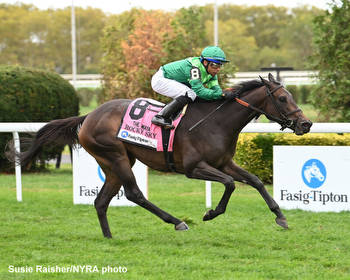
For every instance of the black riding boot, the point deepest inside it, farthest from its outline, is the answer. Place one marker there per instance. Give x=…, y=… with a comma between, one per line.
x=163, y=117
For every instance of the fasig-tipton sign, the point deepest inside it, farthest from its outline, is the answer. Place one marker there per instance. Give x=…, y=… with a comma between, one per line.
x=88, y=179
x=311, y=177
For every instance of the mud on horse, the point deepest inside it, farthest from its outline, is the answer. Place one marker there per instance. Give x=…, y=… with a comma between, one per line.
x=198, y=152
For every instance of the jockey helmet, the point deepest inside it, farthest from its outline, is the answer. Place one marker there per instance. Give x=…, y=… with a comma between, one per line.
x=214, y=54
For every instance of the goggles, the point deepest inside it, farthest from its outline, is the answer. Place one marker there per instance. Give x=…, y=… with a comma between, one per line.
x=215, y=65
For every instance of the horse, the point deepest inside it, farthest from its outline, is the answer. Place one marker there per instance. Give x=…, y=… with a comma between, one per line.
x=204, y=145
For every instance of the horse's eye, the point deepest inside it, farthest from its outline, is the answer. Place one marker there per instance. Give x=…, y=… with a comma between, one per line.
x=282, y=99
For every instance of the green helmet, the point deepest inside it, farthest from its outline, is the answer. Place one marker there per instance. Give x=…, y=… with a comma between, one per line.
x=214, y=54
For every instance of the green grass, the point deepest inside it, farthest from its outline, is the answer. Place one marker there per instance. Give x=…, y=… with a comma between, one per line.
x=244, y=243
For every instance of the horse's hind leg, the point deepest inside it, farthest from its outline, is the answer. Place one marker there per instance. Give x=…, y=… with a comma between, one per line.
x=244, y=176
x=110, y=188
x=119, y=165
x=134, y=194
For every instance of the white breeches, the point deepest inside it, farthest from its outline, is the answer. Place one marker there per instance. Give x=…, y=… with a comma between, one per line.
x=170, y=88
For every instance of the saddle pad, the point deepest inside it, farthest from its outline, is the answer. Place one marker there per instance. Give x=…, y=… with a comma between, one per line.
x=138, y=129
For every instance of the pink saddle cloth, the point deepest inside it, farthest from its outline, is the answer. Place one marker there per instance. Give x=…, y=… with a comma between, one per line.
x=138, y=129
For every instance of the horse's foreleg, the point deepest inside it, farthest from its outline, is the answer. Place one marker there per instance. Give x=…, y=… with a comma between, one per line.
x=206, y=172
x=244, y=176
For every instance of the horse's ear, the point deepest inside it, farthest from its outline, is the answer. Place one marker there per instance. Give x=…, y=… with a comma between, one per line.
x=265, y=82
x=271, y=78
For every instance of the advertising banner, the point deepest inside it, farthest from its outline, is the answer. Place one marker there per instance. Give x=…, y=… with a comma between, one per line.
x=88, y=179
x=312, y=177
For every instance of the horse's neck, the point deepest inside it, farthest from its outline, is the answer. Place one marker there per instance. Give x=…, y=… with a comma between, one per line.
x=237, y=116
x=230, y=117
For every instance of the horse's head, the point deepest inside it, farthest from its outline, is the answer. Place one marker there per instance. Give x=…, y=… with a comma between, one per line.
x=316, y=172
x=312, y=171
x=281, y=107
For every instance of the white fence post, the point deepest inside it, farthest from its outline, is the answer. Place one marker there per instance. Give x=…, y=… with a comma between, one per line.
x=208, y=194
x=14, y=128
x=18, y=167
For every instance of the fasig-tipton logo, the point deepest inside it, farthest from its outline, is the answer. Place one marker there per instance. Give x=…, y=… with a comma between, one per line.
x=86, y=191
x=314, y=173
x=124, y=134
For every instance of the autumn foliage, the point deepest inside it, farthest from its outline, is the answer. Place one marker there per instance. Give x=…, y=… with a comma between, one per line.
x=135, y=51
x=143, y=51
x=137, y=42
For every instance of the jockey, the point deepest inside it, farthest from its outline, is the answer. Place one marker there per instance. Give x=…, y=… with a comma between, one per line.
x=186, y=79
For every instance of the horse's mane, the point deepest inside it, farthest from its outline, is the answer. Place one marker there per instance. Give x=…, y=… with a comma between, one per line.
x=246, y=86
x=242, y=87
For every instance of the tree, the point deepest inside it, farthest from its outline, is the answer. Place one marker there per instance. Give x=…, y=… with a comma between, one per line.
x=296, y=37
x=282, y=36
x=143, y=51
x=89, y=23
x=137, y=44
x=332, y=59
x=58, y=40
x=240, y=48
x=113, y=67
x=133, y=52
x=187, y=37
x=42, y=39
x=262, y=22
x=14, y=38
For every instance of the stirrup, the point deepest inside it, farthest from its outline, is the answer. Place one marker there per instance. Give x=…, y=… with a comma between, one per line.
x=161, y=121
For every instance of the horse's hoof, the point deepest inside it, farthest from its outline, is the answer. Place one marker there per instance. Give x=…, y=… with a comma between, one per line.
x=282, y=222
x=182, y=226
x=207, y=215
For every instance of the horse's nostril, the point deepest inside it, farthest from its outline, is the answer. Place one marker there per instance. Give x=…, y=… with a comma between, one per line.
x=306, y=124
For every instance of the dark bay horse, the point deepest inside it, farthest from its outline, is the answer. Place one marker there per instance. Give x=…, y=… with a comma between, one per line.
x=203, y=152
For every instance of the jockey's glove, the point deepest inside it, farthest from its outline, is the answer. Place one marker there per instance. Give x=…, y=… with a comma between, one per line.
x=230, y=94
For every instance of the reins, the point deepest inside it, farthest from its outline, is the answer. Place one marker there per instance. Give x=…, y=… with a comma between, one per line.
x=207, y=116
x=284, y=121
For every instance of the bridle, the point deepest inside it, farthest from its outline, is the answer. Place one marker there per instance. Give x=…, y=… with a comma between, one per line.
x=283, y=119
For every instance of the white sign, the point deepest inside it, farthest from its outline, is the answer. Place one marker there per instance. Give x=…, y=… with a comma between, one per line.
x=88, y=179
x=312, y=178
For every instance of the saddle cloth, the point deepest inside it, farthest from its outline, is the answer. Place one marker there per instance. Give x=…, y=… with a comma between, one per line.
x=137, y=128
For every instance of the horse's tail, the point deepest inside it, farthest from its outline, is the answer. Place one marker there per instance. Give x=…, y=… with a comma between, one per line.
x=62, y=132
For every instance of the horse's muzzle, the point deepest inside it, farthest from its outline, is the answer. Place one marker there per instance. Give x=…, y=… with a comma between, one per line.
x=303, y=126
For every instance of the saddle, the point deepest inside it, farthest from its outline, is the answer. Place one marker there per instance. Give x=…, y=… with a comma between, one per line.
x=136, y=128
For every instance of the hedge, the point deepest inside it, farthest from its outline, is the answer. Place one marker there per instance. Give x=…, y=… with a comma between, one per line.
x=301, y=93
x=86, y=95
x=32, y=95
x=254, y=151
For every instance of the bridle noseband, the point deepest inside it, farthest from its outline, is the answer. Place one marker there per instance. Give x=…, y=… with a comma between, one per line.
x=283, y=120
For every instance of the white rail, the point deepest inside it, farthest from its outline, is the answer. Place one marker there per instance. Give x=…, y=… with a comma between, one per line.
x=288, y=77
x=15, y=128
x=316, y=128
